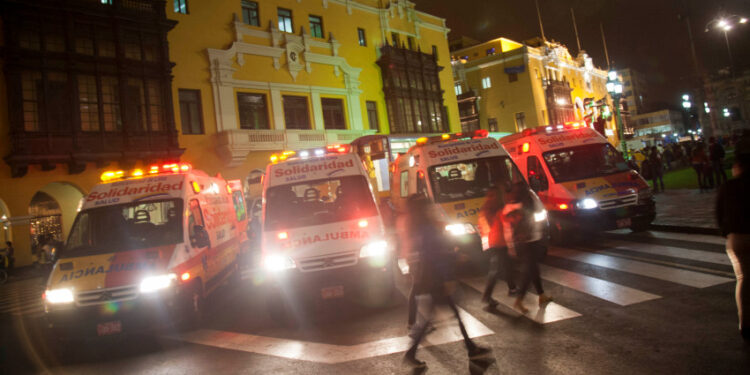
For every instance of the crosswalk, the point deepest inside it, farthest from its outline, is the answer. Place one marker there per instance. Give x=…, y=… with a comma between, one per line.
x=672, y=258
x=22, y=297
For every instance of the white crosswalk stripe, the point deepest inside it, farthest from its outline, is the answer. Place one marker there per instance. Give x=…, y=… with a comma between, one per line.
x=674, y=252
x=671, y=274
x=703, y=238
x=22, y=297
x=602, y=289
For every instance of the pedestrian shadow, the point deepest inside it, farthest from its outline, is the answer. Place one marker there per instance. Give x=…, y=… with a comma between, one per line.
x=480, y=366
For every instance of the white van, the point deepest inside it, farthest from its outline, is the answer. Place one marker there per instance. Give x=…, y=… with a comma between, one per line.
x=146, y=248
x=322, y=234
x=455, y=171
x=583, y=181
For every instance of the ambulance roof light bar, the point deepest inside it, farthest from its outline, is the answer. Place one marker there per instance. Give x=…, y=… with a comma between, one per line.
x=479, y=133
x=169, y=168
x=570, y=125
x=304, y=154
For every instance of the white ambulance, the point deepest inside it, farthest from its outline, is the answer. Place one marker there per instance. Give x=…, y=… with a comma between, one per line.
x=146, y=248
x=583, y=181
x=455, y=171
x=322, y=235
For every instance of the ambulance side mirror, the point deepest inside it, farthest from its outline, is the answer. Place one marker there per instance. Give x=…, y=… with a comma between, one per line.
x=200, y=237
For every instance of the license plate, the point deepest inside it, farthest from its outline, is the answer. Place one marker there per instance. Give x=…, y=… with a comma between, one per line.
x=623, y=223
x=332, y=292
x=109, y=328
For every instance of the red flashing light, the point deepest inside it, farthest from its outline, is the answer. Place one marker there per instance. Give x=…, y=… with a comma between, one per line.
x=283, y=235
x=525, y=147
x=185, y=276
x=562, y=206
x=362, y=223
x=338, y=148
x=480, y=133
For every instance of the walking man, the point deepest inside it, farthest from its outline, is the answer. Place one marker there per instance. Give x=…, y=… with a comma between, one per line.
x=434, y=276
x=732, y=208
x=490, y=224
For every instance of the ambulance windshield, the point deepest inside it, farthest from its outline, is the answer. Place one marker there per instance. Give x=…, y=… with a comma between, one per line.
x=318, y=202
x=123, y=227
x=472, y=178
x=581, y=162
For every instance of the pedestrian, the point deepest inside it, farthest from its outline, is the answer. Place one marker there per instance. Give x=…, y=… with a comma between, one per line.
x=435, y=274
x=10, y=254
x=698, y=161
x=657, y=169
x=668, y=157
x=490, y=223
x=716, y=152
x=732, y=207
x=411, y=258
x=524, y=236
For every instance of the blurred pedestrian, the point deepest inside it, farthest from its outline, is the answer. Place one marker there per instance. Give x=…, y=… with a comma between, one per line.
x=10, y=254
x=411, y=258
x=732, y=208
x=657, y=169
x=490, y=223
x=716, y=152
x=434, y=276
x=525, y=236
x=698, y=161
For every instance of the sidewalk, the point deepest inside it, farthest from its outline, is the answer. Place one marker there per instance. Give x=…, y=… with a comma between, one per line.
x=686, y=209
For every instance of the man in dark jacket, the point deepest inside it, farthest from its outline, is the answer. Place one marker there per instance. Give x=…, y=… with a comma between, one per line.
x=434, y=275
x=716, y=152
x=732, y=214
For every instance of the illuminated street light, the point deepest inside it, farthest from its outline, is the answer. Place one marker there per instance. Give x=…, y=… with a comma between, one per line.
x=614, y=87
x=725, y=24
x=685, y=97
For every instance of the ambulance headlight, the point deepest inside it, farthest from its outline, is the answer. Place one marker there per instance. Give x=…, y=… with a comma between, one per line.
x=374, y=249
x=62, y=295
x=540, y=216
x=460, y=229
x=277, y=262
x=587, y=204
x=152, y=284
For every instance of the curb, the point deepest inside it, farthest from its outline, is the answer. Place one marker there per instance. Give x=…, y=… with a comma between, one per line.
x=685, y=229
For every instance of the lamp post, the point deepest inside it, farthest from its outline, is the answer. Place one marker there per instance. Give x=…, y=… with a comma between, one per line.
x=688, y=105
x=614, y=87
x=725, y=24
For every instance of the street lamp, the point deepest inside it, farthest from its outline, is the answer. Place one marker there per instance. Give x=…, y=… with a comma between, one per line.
x=725, y=24
x=614, y=87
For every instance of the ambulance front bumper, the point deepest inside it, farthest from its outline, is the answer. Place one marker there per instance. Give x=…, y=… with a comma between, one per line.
x=597, y=219
x=142, y=314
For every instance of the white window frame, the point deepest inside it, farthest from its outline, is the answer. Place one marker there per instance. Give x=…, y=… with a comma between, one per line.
x=459, y=90
x=486, y=82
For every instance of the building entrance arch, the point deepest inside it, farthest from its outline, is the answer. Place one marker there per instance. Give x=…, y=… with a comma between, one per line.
x=52, y=211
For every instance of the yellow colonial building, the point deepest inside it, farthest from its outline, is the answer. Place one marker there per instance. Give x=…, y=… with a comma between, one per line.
x=92, y=85
x=507, y=86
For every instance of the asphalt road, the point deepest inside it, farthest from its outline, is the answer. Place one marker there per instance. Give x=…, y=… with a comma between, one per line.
x=653, y=303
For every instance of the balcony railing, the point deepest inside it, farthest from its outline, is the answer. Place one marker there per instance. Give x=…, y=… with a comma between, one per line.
x=235, y=145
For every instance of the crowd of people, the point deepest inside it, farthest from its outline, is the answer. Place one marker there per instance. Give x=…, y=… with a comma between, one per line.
x=509, y=232
x=707, y=160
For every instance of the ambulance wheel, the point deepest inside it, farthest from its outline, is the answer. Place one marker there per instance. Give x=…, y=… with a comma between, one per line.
x=193, y=306
x=640, y=226
x=276, y=309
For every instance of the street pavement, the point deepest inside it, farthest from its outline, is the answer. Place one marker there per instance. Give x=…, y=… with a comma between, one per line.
x=647, y=303
x=672, y=204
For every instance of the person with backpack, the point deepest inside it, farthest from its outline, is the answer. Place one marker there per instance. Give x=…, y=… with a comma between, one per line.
x=490, y=223
x=525, y=238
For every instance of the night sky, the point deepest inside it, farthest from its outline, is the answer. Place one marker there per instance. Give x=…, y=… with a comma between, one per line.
x=647, y=35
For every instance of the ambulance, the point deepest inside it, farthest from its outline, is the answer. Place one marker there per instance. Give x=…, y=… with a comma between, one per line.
x=455, y=171
x=322, y=234
x=583, y=181
x=146, y=247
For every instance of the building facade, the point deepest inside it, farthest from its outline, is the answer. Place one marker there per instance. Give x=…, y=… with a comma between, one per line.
x=727, y=103
x=220, y=84
x=635, y=91
x=655, y=126
x=522, y=85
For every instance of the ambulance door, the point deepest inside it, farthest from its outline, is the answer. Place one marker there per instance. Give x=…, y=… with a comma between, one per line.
x=537, y=178
x=199, y=238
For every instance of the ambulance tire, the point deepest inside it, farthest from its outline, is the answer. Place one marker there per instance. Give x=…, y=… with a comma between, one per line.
x=193, y=307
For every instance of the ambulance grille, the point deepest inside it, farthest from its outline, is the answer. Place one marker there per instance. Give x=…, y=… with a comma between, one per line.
x=623, y=201
x=99, y=296
x=328, y=262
